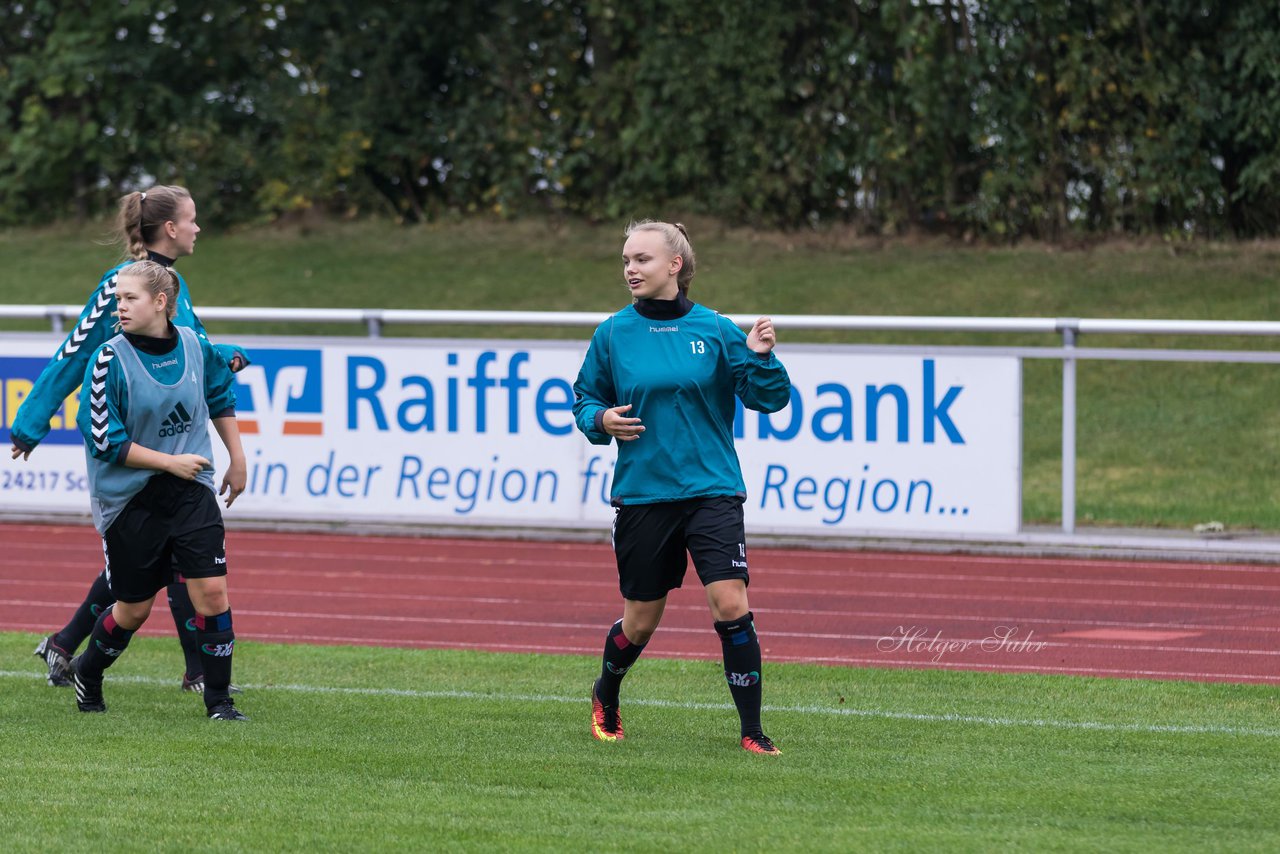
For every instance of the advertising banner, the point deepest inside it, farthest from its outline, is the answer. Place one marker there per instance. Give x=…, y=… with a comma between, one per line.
x=466, y=432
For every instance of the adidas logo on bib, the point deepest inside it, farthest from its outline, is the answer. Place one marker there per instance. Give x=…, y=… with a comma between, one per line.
x=178, y=422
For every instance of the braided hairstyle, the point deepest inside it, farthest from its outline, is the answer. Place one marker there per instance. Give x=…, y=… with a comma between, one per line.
x=143, y=213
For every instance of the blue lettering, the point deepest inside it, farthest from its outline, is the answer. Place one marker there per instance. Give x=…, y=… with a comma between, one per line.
x=843, y=411
x=513, y=383
x=452, y=386
x=875, y=495
x=470, y=492
x=482, y=382
x=938, y=411
x=546, y=404
x=911, y=491
x=874, y=394
x=408, y=476
x=833, y=506
x=806, y=487
x=427, y=402
x=506, y=495
x=773, y=471
x=438, y=479
x=369, y=394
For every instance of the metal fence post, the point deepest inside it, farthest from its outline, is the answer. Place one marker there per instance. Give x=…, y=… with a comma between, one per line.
x=1069, y=427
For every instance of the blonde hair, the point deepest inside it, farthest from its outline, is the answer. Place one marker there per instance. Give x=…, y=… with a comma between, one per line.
x=157, y=278
x=143, y=213
x=677, y=242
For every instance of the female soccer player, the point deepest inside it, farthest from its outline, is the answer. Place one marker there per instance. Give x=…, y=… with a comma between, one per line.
x=147, y=396
x=159, y=225
x=660, y=377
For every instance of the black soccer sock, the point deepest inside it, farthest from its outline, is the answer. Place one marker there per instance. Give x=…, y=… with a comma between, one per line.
x=217, y=642
x=742, y=668
x=106, y=642
x=184, y=620
x=619, y=655
x=86, y=616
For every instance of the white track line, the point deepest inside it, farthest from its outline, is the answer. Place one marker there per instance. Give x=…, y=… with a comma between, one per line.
x=874, y=714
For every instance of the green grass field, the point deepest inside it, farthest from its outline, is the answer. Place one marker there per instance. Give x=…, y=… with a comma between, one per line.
x=1159, y=445
x=382, y=749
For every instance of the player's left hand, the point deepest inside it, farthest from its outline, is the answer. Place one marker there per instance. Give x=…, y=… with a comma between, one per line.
x=237, y=364
x=18, y=452
x=761, y=338
x=233, y=482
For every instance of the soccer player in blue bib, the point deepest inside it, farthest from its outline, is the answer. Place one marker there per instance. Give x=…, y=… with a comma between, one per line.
x=146, y=402
x=660, y=377
x=157, y=225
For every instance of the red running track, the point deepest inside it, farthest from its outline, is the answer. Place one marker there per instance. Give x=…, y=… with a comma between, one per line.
x=1210, y=622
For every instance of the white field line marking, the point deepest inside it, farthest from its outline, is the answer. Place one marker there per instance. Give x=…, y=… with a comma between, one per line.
x=896, y=617
x=922, y=643
x=956, y=663
x=880, y=714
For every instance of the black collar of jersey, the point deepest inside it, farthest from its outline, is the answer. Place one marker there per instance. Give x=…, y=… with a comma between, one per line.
x=155, y=346
x=664, y=309
x=152, y=255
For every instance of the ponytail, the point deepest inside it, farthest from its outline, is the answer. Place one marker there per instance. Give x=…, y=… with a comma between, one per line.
x=143, y=214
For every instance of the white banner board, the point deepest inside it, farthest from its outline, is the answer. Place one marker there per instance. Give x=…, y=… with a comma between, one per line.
x=449, y=432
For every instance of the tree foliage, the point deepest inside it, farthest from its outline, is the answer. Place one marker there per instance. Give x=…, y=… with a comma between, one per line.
x=1003, y=119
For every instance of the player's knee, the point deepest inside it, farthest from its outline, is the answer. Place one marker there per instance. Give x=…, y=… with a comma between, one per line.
x=210, y=600
x=729, y=602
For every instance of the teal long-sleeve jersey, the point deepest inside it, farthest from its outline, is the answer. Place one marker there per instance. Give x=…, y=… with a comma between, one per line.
x=66, y=369
x=680, y=376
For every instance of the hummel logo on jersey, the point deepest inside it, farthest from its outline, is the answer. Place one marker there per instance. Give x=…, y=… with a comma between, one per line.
x=158, y=365
x=664, y=328
x=178, y=422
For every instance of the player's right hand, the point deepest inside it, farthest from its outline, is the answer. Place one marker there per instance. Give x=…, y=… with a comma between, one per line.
x=18, y=452
x=187, y=466
x=620, y=427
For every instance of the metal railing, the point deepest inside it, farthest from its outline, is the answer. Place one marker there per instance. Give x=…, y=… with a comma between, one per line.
x=1068, y=328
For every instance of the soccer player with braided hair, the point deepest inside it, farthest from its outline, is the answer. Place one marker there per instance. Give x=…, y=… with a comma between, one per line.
x=158, y=225
x=660, y=377
x=146, y=402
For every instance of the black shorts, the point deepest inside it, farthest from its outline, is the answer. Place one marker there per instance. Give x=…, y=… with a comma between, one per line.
x=651, y=541
x=171, y=527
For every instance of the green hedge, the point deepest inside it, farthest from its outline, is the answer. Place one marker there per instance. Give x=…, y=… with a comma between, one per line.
x=1000, y=119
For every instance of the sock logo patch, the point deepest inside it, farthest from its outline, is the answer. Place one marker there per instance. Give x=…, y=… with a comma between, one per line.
x=96, y=610
x=108, y=650
x=191, y=624
x=742, y=680
x=221, y=650
x=616, y=670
